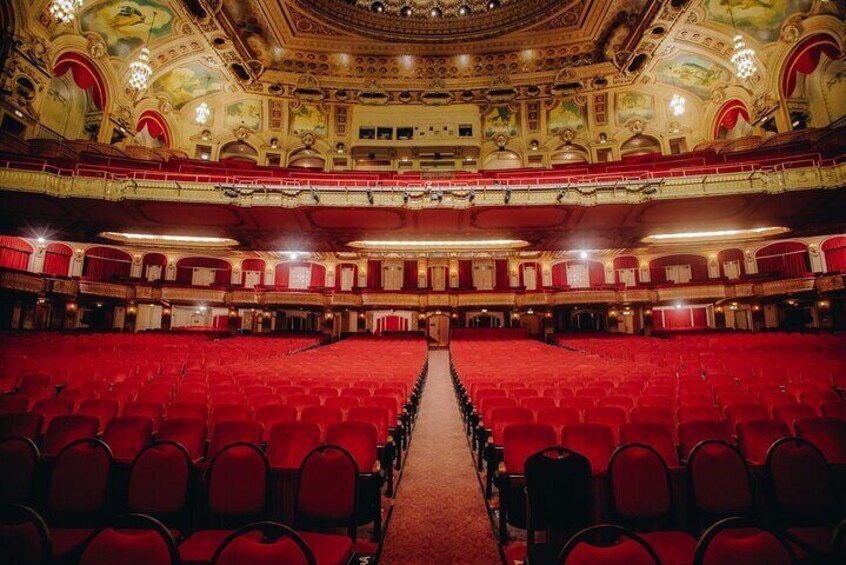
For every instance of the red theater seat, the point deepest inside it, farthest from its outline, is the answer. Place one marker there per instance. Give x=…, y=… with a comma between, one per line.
x=13, y=403
x=693, y=432
x=272, y=414
x=756, y=437
x=131, y=540
x=159, y=481
x=190, y=433
x=327, y=496
x=66, y=429
x=656, y=436
x=266, y=542
x=127, y=436
x=827, y=434
x=289, y=443
x=558, y=418
x=234, y=431
x=608, y=545
x=188, y=410
x=322, y=416
x=742, y=541
x=49, y=408
x=21, y=424
x=789, y=413
x=18, y=459
x=103, y=410
x=612, y=416
x=359, y=439
x=719, y=481
x=151, y=410
x=594, y=441
x=24, y=538
x=740, y=412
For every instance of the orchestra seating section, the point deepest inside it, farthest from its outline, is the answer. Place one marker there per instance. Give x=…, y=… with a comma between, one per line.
x=669, y=435
x=782, y=151
x=202, y=436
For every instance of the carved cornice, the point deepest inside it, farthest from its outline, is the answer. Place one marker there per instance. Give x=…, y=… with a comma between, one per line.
x=107, y=290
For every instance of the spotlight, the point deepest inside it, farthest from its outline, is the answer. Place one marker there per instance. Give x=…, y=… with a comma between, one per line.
x=406, y=11
x=471, y=196
x=507, y=196
x=369, y=196
x=41, y=239
x=583, y=255
x=493, y=4
x=377, y=7
x=561, y=195
x=436, y=12
x=464, y=10
x=534, y=145
x=437, y=195
x=405, y=197
x=315, y=196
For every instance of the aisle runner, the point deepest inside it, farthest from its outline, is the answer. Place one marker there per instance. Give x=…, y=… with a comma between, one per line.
x=439, y=515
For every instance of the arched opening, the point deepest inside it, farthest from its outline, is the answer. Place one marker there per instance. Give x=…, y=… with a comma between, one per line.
x=300, y=275
x=679, y=269
x=153, y=266
x=732, y=121
x=732, y=264
x=76, y=97
x=627, y=271
x=582, y=273
x=14, y=253
x=807, y=82
x=502, y=159
x=346, y=276
x=57, y=260
x=239, y=151
x=252, y=273
x=203, y=271
x=640, y=145
x=834, y=250
x=568, y=154
x=784, y=259
x=531, y=276
x=152, y=131
x=105, y=263
x=306, y=159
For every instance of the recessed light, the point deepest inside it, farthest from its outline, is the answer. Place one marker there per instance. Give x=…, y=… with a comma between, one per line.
x=468, y=244
x=716, y=235
x=169, y=240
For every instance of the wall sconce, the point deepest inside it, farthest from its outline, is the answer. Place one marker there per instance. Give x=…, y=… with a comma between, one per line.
x=823, y=304
x=755, y=307
x=329, y=315
x=70, y=306
x=647, y=312
x=165, y=312
x=454, y=315
x=131, y=309
x=233, y=313
x=530, y=312
x=421, y=316
x=718, y=309
x=612, y=313
x=362, y=315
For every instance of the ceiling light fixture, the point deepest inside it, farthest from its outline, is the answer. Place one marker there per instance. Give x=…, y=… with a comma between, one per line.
x=406, y=11
x=170, y=240
x=451, y=245
x=742, y=57
x=202, y=113
x=377, y=7
x=140, y=70
x=717, y=235
x=677, y=102
x=464, y=10
x=64, y=11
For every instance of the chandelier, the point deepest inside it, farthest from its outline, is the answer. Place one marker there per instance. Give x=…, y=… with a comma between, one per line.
x=202, y=114
x=742, y=57
x=677, y=104
x=64, y=11
x=140, y=70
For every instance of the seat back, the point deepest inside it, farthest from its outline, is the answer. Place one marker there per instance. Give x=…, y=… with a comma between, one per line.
x=756, y=437
x=234, y=431
x=13, y=403
x=18, y=459
x=188, y=432
x=594, y=441
x=79, y=483
x=521, y=441
x=801, y=483
x=272, y=414
x=24, y=538
x=742, y=540
x=126, y=436
x=607, y=545
x=827, y=434
x=21, y=424
x=236, y=483
x=322, y=416
x=376, y=416
x=103, y=410
x=640, y=484
x=263, y=542
x=359, y=439
x=327, y=491
x=64, y=430
x=719, y=480
x=289, y=443
x=131, y=540
x=657, y=436
x=558, y=491
x=693, y=432
x=502, y=418
x=158, y=481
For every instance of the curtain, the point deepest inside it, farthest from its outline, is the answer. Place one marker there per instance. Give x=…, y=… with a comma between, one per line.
x=156, y=126
x=14, y=253
x=788, y=258
x=627, y=271
x=805, y=58
x=85, y=75
x=503, y=277
x=559, y=274
x=282, y=275
x=374, y=274
x=679, y=274
x=834, y=250
x=104, y=263
x=153, y=266
x=318, y=276
x=300, y=276
x=698, y=267
x=465, y=273
x=202, y=277
x=153, y=273
x=222, y=270
x=530, y=276
x=627, y=277
x=57, y=260
x=346, y=276
x=409, y=275
x=681, y=318
x=731, y=263
x=254, y=269
x=392, y=277
x=251, y=279
x=483, y=276
x=578, y=275
x=437, y=277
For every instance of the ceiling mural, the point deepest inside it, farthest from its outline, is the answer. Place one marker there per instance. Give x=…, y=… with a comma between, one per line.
x=500, y=121
x=634, y=105
x=188, y=82
x=693, y=72
x=567, y=115
x=309, y=118
x=761, y=19
x=246, y=113
x=125, y=24
x=253, y=30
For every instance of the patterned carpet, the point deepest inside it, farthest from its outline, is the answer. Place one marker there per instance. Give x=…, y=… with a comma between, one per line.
x=439, y=515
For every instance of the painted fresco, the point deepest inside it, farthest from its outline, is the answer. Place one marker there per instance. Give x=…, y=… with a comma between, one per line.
x=254, y=30
x=566, y=115
x=631, y=105
x=500, y=121
x=761, y=19
x=694, y=73
x=245, y=113
x=188, y=82
x=125, y=24
x=309, y=118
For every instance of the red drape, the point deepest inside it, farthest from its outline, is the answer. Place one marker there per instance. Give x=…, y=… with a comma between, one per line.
x=340, y=267
x=409, y=275
x=14, y=253
x=786, y=258
x=698, y=267
x=685, y=318
x=465, y=273
x=282, y=275
x=835, y=253
x=374, y=274
x=318, y=276
x=57, y=258
x=805, y=57
x=252, y=265
x=626, y=262
x=559, y=274
x=156, y=126
x=503, y=277
x=728, y=115
x=85, y=75
x=222, y=269
x=731, y=255
x=104, y=263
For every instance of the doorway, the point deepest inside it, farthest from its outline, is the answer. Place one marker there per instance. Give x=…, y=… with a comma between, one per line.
x=438, y=330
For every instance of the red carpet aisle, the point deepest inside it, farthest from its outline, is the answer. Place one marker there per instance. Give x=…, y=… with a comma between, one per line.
x=439, y=515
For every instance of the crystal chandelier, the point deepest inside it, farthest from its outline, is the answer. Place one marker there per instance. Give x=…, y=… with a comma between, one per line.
x=743, y=59
x=64, y=11
x=140, y=70
x=677, y=103
x=202, y=114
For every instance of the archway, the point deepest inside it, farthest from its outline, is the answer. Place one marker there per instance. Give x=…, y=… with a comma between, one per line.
x=568, y=154
x=732, y=121
x=239, y=151
x=76, y=97
x=57, y=260
x=14, y=253
x=152, y=130
x=306, y=159
x=809, y=82
x=502, y=159
x=640, y=145
x=105, y=263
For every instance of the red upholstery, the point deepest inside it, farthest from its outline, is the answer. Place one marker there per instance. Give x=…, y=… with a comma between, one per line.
x=738, y=412
x=693, y=432
x=502, y=418
x=66, y=429
x=789, y=413
x=322, y=416
x=594, y=441
x=21, y=424
x=558, y=418
x=359, y=439
x=701, y=413
x=103, y=410
x=128, y=547
x=801, y=481
x=24, y=539
x=827, y=434
x=230, y=413
x=142, y=409
x=639, y=483
x=158, y=480
x=376, y=416
x=719, y=480
x=290, y=442
x=13, y=403
x=50, y=408
x=127, y=436
x=626, y=551
x=612, y=416
x=235, y=431
x=756, y=437
x=836, y=409
x=190, y=433
x=328, y=487
x=80, y=478
x=522, y=440
x=657, y=436
x=741, y=542
x=237, y=481
x=273, y=414
x=18, y=458
x=181, y=409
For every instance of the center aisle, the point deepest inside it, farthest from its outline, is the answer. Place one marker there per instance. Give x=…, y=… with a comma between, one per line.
x=439, y=515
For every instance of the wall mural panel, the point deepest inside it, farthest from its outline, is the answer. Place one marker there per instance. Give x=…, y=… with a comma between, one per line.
x=254, y=30
x=500, y=121
x=124, y=24
x=761, y=19
x=631, y=105
x=245, y=113
x=567, y=115
x=309, y=118
x=187, y=83
x=694, y=73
